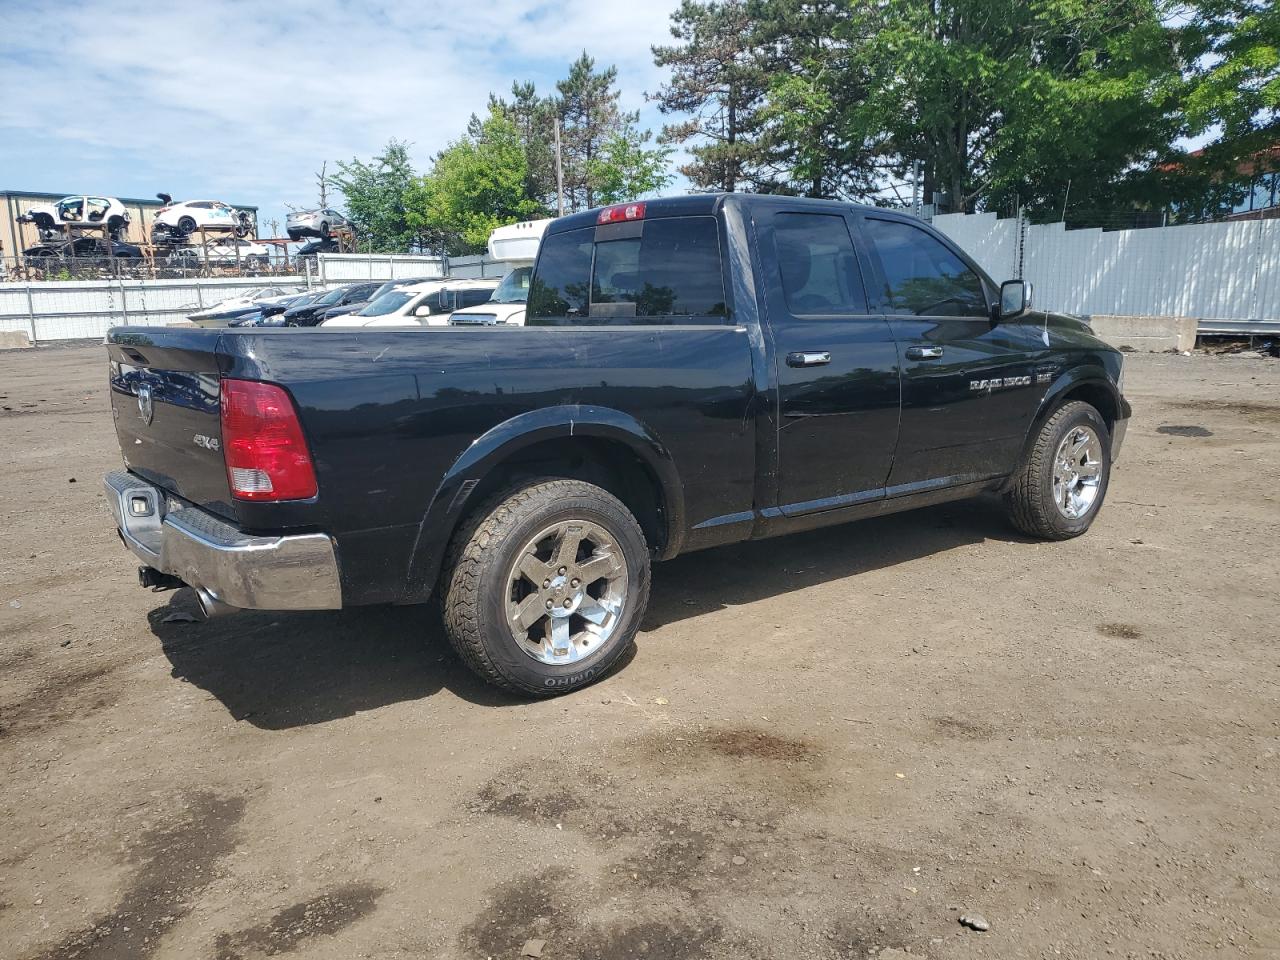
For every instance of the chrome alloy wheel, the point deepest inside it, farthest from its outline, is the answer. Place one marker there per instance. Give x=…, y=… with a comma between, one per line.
x=566, y=592
x=1077, y=472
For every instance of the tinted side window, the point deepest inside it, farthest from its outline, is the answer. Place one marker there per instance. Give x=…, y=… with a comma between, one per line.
x=562, y=280
x=923, y=277
x=473, y=297
x=820, y=274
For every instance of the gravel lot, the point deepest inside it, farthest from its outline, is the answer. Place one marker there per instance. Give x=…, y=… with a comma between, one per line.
x=830, y=745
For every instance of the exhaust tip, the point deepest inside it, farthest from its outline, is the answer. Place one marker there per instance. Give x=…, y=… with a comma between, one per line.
x=210, y=606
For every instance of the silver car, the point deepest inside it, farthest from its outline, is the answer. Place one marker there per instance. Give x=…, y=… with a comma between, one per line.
x=314, y=223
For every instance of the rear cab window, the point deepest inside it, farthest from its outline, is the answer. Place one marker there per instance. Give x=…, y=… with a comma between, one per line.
x=662, y=271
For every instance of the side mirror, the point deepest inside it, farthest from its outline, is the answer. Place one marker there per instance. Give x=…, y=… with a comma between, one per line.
x=1015, y=298
x=422, y=311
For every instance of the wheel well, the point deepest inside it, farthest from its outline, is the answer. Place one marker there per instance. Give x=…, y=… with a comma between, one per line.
x=608, y=464
x=1098, y=396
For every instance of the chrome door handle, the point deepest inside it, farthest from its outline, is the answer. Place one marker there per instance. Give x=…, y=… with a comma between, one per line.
x=924, y=353
x=814, y=359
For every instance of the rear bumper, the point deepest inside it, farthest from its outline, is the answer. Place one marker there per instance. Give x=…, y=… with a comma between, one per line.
x=298, y=572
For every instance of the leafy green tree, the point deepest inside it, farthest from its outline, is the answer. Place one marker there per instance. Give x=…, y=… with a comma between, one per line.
x=476, y=184
x=374, y=192
x=534, y=118
x=816, y=87
x=1003, y=102
x=1235, y=45
x=719, y=78
x=625, y=167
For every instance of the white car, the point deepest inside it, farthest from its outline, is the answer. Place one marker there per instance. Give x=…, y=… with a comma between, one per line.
x=222, y=253
x=254, y=298
x=180, y=220
x=505, y=306
x=421, y=304
x=314, y=223
x=81, y=212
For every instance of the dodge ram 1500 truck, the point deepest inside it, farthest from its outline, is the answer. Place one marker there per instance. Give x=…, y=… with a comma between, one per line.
x=693, y=371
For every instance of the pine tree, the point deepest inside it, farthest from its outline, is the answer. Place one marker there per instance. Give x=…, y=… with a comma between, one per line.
x=719, y=78
x=589, y=116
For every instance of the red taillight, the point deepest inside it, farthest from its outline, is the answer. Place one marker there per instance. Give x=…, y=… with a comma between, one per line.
x=262, y=442
x=620, y=213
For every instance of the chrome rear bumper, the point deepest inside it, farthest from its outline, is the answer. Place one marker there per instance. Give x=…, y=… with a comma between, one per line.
x=298, y=572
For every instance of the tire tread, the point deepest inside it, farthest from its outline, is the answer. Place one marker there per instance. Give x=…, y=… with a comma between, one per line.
x=1026, y=507
x=469, y=552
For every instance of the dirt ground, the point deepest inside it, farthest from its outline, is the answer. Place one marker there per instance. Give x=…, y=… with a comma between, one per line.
x=830, y=745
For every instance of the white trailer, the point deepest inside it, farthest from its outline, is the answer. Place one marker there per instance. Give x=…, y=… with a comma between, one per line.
x=515, y=245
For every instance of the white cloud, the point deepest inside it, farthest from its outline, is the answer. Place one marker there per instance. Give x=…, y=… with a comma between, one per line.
x=243, y=100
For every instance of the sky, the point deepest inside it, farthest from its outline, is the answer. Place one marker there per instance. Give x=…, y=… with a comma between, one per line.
x=242, y=101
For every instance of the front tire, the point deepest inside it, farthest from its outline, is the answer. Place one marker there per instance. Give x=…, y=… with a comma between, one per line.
x=546, y=586
x=1058, y=491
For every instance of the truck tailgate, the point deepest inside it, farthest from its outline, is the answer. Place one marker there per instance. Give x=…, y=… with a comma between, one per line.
x=165, y=400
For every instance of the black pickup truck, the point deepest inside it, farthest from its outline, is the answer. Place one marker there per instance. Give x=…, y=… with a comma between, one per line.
x=693, y=371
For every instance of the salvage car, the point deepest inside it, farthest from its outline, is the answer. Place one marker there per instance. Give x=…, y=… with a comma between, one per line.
x=177, y=221
x=310, y=314
x=307, y=252
x=252, y=298
x=227, y=252
x=82, y=248
x=314, y=223
x=428, y=304
x=692, y=372
x=233, y=315
x=79, y=212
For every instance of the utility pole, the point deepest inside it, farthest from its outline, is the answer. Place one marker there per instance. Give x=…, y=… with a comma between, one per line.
x=915, y=189
x=323, y=181
x=559, y=174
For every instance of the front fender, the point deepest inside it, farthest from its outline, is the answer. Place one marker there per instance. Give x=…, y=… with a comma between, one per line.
x=1090, y=376
x=454, y=497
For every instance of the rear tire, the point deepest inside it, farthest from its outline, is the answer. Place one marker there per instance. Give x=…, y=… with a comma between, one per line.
x=187, y=225
x=1058, y=491
x=545, y=587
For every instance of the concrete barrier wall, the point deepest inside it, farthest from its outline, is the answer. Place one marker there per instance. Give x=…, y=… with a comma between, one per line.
x=1156, y=334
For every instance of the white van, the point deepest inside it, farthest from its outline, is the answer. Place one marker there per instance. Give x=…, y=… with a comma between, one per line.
x=427, y=304
x=505, y=306
x=517, y=246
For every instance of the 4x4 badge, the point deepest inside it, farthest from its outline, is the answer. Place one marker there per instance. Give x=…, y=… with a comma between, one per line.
x=146, y=409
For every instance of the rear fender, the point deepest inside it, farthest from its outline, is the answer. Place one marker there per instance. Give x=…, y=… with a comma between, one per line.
x=456, y=494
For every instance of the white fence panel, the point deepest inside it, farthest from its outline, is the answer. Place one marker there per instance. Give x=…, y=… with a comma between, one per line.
x=73, y=309
x=990, y=241
x=347, y=267
x=1210, y=271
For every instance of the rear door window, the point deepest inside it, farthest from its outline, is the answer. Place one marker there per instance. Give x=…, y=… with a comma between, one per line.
x=668, y=272
x=820, y=275
x=923, y=277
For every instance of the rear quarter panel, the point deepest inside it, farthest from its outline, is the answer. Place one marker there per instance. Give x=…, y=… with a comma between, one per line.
x=388, y=412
